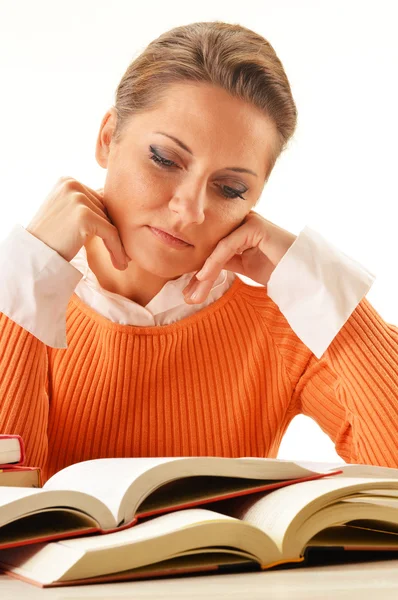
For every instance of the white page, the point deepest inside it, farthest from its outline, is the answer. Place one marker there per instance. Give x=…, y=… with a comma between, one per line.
x=350, y=469
x=105, y=478
x=372, y=471
x=160, y=525
x=375, y=500
x=16, y=502
x=274, y=512
x=109, y=478
x=10, y=494
x=52, y=560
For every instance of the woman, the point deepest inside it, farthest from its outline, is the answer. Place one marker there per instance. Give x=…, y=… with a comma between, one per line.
x=166, y=351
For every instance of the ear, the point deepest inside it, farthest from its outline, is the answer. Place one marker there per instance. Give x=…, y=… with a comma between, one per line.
x=104, y=138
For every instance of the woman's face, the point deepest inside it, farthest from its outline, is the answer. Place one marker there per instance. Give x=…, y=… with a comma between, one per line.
x=195, y=193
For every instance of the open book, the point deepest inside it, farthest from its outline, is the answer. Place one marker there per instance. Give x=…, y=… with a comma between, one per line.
x=102, y=495
x=261, y=530
x=106, y=494
x=12, y=457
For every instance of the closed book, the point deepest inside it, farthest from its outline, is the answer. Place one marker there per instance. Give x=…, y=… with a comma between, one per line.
x=12, y=470
x=12, y=450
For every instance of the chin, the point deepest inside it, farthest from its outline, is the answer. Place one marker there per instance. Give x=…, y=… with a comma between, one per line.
x=160, y=264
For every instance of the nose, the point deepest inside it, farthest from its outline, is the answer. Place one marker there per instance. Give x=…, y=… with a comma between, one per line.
x=188, y=202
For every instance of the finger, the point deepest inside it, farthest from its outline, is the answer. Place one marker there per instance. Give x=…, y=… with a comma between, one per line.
x=103, y=215
x=234, y=264
x=117, y=264
x=203, y=288
x=188, y=287
x=227, y=248
x=115, y=248
x=111, y=239
x=96, y=196
x=199, y=292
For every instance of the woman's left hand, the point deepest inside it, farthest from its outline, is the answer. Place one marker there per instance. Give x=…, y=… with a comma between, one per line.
x=253, y=249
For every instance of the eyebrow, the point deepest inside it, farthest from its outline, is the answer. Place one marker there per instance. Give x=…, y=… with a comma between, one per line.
x=185, y=147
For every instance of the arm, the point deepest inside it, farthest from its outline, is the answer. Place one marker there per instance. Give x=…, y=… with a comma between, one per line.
x=29, y=316
x=348, y=382
x=352, y=391
x=24, y=389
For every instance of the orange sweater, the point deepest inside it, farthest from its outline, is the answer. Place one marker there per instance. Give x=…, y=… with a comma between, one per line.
x=225, y=381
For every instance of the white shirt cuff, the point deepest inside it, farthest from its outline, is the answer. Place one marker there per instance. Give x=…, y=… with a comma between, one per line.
x=36, y=285
x=317, y=287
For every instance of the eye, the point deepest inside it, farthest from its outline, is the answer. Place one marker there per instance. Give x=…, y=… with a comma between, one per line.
x=231, y=193
x=165, y=163
x=160, y=160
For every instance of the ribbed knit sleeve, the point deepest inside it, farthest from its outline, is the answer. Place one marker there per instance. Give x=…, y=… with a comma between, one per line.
x=24, y=402
x=352, y=391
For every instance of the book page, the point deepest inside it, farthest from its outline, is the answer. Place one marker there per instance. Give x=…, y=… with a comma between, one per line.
x=10, y=494
x=105, y=478
x=17, y=502
x=151, y=529
x=376, y=492
x=274, y=512
x=373, y=471
x=47, y=523
x=109, y=479
x=164, y=537
x=278, y=468
x=355, y=537
x=350, y=469
x=375, y=500
x=161, y=538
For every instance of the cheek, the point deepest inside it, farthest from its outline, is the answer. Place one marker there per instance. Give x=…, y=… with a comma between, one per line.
x=227, y=220
x=133, y=195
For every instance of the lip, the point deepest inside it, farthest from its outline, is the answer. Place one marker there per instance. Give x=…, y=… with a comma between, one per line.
x=169, y=239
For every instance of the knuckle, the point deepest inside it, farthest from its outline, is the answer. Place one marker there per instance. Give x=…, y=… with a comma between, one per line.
x=84, y=213
x=67, y=182
x=80, y=200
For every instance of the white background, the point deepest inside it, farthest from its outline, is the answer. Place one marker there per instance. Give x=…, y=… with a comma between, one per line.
x=60, y=64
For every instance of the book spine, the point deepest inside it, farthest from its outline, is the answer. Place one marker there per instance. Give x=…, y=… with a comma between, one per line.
x=283, y=562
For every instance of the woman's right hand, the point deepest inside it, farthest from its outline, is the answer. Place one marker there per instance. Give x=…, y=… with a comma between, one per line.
x=71, y=214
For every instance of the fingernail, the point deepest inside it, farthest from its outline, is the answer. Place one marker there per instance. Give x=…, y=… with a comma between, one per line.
x=202, y=274
x=194, y=296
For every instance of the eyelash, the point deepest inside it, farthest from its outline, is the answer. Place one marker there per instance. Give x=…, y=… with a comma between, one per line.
x=164, y=163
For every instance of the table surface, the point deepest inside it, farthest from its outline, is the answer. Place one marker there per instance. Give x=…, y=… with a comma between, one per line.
x=365, y=580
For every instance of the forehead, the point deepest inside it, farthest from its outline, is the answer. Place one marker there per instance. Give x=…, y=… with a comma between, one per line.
x=211, y=121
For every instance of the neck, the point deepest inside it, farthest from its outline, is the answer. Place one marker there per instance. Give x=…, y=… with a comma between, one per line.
x=134, y=283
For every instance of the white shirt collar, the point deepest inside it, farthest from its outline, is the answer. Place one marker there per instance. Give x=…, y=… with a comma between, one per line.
x=170, y=296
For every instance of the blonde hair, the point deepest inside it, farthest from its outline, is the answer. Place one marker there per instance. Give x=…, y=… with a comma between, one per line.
x=231, y=56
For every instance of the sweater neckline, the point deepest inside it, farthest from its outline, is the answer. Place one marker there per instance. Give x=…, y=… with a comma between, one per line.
x=159, y=329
